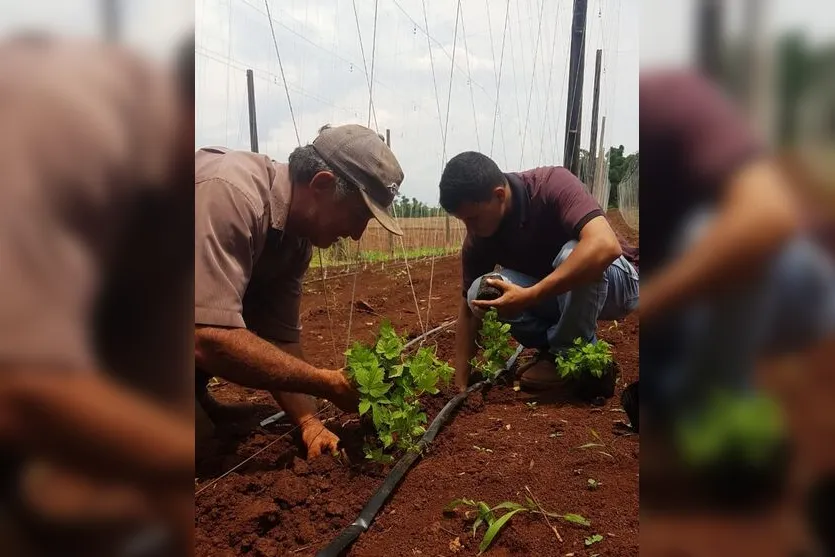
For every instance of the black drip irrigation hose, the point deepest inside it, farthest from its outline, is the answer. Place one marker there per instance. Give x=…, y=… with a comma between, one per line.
x=378, y=499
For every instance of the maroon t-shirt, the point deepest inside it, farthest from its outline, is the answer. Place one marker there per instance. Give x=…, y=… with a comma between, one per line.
x=549, y=208
x=692, y=141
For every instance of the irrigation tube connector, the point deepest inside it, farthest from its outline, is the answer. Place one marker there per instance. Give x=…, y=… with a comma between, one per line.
x=366, y=516
x=277, y=417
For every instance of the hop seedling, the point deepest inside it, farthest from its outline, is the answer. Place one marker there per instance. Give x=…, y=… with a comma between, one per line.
x=494, y=345
x=390, y=385
x=585, y=358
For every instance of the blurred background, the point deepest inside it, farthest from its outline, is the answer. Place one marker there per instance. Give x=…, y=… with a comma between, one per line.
x=775, y=60
x=96, y=277
x=152, y=27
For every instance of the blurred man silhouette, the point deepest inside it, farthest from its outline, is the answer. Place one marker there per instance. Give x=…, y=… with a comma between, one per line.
x=96, y=284
x=728, y=271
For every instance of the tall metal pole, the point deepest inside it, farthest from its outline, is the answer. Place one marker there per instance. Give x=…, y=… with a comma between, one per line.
x=601, y=183
x=710, y=37
x=110, y=19
x=253, y=125
x=595, y=112
x=576, y=66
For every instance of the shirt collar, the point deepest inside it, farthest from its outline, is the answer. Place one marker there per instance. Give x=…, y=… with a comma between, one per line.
x=521, y=199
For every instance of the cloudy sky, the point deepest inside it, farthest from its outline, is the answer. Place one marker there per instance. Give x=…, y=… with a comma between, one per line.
x=326, y=73
x=327, y=77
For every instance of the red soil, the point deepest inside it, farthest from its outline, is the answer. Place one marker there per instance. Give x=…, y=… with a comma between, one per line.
x=279, y=504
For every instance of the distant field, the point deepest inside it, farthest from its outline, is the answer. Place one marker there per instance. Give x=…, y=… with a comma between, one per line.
x=422, y=237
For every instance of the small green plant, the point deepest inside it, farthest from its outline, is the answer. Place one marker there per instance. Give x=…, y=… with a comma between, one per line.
x=482, y=514
x=593, y=484
x=750, y=426
x=494, y=342
x=596, y=444
x=531, y=406
x=585, y=358
x=390, y=386
x=591, y=540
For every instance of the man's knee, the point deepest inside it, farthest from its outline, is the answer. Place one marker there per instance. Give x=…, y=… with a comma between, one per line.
x=565, y=251
x=472, y=294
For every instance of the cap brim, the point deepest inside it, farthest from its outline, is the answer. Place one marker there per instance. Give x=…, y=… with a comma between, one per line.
x=380, y=213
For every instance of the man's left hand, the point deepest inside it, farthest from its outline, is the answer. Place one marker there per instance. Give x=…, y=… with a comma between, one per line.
x=318, y=439
x=513, y=301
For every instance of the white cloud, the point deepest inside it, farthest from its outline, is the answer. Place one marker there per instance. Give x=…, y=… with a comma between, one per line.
x=323, y=64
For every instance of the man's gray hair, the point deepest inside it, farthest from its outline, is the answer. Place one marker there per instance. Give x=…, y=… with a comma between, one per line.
x=305, y=163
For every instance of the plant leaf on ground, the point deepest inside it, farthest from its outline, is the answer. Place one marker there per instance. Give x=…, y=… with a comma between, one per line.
x=598, y=445
x=481, y=513
x=591, y=540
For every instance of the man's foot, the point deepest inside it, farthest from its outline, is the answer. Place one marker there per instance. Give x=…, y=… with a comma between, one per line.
x=542, y=375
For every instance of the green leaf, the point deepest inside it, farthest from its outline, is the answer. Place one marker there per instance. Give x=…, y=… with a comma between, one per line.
x=379, y=414
x=365, y=405
x=494, y=529
x=591, y=540
x=478, y=522
x=484, y=511
x=452, y=505
x=387, y=439
x=508, y=505
x=576, y=519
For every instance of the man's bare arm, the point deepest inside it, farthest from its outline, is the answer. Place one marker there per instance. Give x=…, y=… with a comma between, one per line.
x=597, y=248
x=299, y=407
x=756, y=217
x=87, y=422
x=242, y=357
x=465, y=344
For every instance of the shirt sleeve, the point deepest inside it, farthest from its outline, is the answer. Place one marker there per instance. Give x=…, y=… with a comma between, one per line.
x=226, y=236
x=573, y=205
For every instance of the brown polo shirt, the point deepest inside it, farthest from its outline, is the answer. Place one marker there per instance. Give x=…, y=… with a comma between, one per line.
x=550, y=207
x=87, y=186
x=248, y=271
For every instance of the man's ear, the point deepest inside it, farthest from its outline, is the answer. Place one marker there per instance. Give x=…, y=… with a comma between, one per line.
x=322, y=182
x=500, y=192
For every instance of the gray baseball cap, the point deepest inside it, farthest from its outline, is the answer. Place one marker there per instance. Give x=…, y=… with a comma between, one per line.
x=359, y=155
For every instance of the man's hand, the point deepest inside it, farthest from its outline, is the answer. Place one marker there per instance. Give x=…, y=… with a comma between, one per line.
x=317, y=438
x=342, y=393
x=513, y=301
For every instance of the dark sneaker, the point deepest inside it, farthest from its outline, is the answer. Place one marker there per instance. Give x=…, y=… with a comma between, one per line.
x=629, y=402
